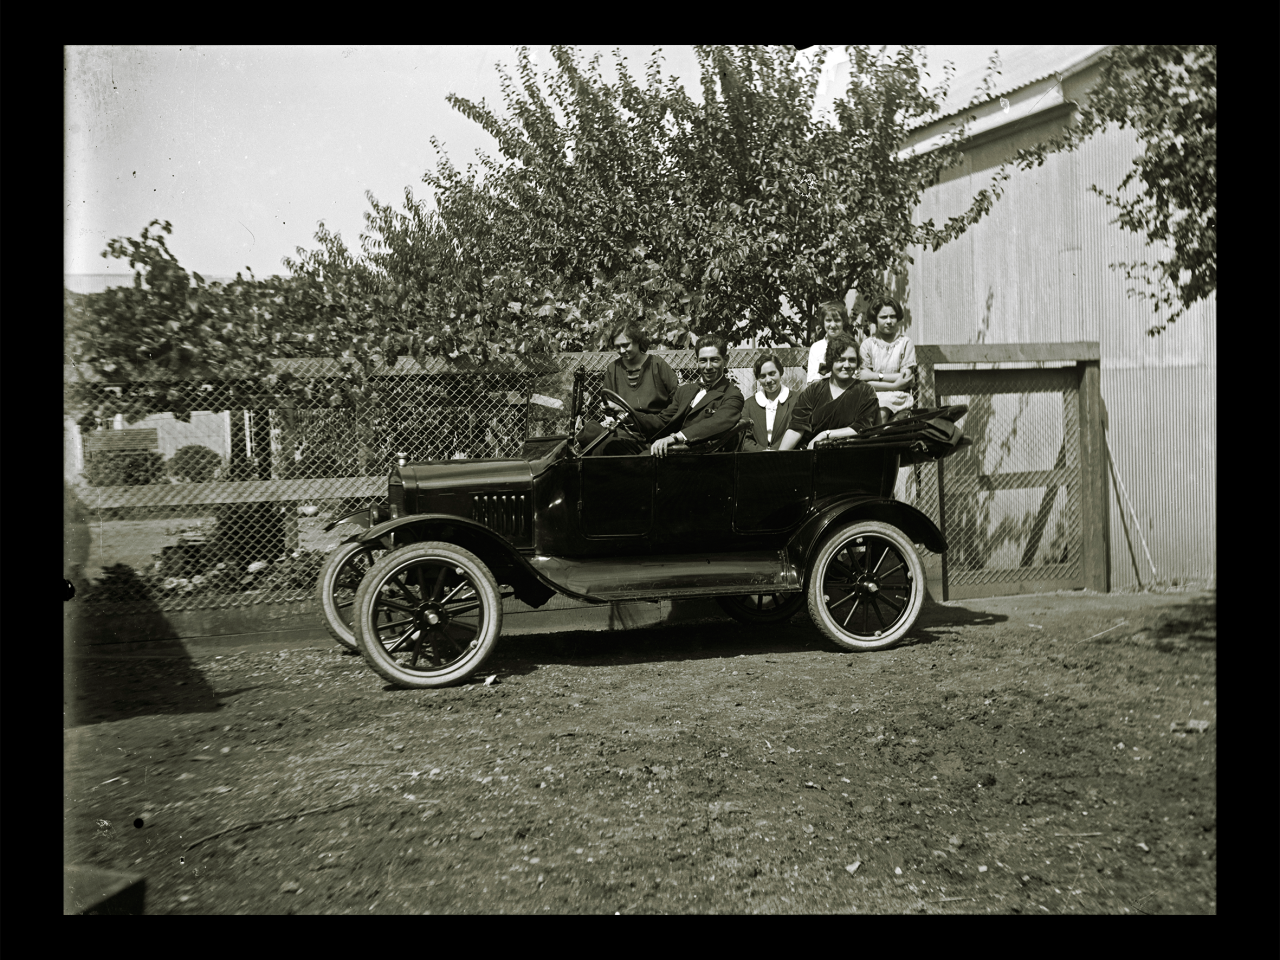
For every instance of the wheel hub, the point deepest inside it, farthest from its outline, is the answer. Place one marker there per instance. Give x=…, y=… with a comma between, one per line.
x=432, y=614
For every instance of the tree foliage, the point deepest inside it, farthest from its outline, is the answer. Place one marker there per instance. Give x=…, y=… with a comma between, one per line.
x=171, y=330
x=1169, y=95
x=610, y=197
x=613, y=198
x=195, y=463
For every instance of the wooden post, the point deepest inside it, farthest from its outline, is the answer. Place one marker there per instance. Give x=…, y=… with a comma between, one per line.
x=1094, y=513
x=942, y=526
x=935, y=565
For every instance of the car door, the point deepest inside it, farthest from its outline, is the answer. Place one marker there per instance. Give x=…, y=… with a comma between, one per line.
x=693, y=502
x=615, y=497
x=772, y=491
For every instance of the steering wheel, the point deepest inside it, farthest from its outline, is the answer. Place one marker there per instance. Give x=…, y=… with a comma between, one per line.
x=626, y=407
x=628, y=411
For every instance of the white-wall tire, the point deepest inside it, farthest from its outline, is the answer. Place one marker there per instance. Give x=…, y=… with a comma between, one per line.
x=866, y=585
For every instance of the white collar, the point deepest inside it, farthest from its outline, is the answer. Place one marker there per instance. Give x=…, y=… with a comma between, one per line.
x=782, y=396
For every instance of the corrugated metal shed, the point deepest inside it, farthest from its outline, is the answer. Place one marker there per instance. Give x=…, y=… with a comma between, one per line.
x=1021, y=67
x=1037, y=270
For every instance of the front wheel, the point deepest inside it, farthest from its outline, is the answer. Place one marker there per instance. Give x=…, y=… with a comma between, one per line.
x=427, y=615
x=762, y=607
x=866, y=586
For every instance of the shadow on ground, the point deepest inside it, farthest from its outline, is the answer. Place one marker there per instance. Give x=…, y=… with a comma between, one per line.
x=1196, y=620
x=102, y=688
x=703, y=640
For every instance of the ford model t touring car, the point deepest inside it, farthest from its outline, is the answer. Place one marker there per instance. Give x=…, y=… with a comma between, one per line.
x=762, y=532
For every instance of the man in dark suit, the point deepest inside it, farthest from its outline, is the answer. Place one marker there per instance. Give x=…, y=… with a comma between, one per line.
x=702, y=410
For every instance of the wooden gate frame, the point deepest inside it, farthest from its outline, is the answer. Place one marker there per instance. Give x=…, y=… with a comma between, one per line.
x=1095, y=560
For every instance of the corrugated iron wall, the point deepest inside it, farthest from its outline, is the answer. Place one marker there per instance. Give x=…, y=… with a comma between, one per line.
x=1037, y=270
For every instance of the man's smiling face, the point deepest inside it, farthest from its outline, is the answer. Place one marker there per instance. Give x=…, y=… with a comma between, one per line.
x=710, y=366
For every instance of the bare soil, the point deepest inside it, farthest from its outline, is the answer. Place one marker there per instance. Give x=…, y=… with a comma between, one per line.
x=1016, y=755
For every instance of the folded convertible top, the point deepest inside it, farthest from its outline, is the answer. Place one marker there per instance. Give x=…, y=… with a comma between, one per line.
x=925, y=435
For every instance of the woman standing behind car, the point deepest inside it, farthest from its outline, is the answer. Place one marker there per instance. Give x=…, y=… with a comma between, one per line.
x=888, y=358
x=644, y=381
x=835, y=319
x=770, y=407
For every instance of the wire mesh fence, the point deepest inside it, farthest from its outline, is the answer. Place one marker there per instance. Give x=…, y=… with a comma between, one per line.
x=1009, y=505
x=229, y=507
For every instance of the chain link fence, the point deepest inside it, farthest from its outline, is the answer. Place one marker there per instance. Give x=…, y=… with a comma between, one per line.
x=1010, y=504
x=230, y=507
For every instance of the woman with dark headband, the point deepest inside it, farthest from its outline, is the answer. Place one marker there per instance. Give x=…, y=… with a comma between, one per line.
x=642, y=379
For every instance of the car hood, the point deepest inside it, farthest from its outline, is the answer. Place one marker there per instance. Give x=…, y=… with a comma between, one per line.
x=474, y=475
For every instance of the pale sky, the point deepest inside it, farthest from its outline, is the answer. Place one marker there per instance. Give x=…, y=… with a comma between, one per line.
x=245, y=149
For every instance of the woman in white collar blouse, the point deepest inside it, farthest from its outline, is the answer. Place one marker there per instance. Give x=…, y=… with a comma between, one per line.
x=770, y=407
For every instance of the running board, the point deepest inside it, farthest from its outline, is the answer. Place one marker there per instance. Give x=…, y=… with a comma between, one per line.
x=673, y=577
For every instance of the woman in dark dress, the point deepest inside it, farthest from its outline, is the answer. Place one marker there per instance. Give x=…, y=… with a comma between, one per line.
x=838, y=407
x=644, y=380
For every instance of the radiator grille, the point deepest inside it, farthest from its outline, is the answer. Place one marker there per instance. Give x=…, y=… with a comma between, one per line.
x=504, y=513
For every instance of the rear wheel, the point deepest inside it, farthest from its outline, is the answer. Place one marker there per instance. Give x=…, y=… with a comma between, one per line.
x=866, y=586
x=336, y=588
x=427, y=615
x=762, y=607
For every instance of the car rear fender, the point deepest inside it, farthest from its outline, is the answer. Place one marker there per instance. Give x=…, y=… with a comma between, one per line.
x=502, y=559
x=916, y=525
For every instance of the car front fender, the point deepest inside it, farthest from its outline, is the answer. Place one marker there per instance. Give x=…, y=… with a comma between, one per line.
x=365, y=518
x=505, y=562
x=916, y=525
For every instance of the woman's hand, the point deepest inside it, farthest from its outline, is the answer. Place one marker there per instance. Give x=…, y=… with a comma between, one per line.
x=840, y=433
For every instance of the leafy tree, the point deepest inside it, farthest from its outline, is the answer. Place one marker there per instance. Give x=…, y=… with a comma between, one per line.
x=609, y=198
x=616, y=199
x=1169, y=95
x=164, y=336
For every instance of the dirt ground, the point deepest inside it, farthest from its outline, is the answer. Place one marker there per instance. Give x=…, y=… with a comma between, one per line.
x=1016, y=755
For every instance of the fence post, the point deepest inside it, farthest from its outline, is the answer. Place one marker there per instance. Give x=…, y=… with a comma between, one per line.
x=1094, y=512
x=935, y=565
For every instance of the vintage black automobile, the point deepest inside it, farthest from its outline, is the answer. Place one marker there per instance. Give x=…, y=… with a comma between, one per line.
x=762, y=532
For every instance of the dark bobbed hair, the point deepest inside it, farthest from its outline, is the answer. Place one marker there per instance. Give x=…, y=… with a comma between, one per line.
x=768, y=358
x=878, y=304
x=713, y=340
x=633, y=330
x=838, y=345
x=833, y=306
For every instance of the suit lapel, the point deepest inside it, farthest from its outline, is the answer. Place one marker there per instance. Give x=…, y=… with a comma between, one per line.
x=714, y=393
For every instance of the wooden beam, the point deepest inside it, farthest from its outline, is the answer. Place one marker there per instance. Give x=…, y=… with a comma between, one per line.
x=957, y=589
x=247, y=491
x=967, y=383
x=1007, y=352
x=1022, y=480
